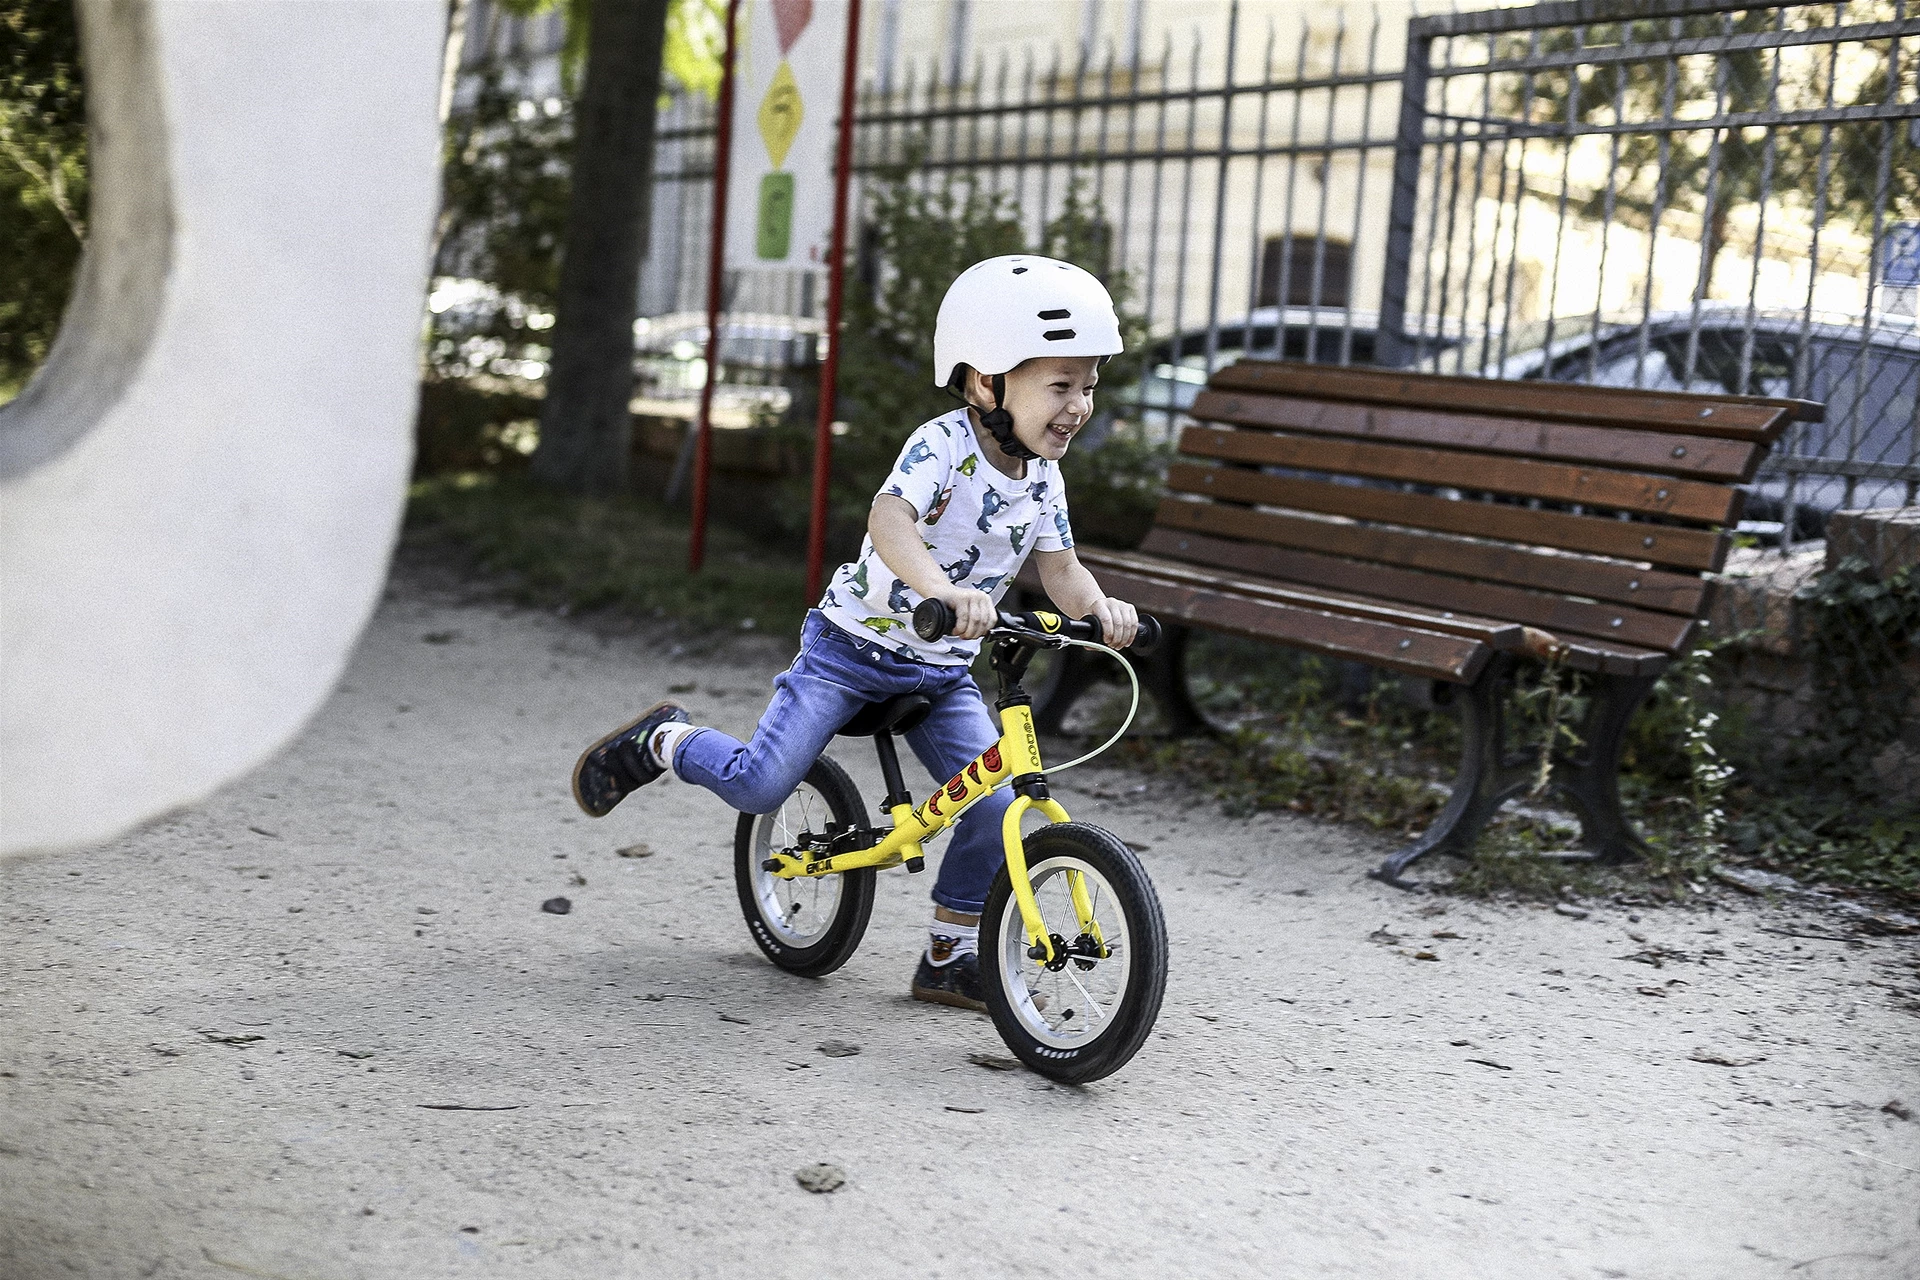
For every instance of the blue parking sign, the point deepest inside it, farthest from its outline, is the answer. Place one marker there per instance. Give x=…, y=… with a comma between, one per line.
x=1901, y=255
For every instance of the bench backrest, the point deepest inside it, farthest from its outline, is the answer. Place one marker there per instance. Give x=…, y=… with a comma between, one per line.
x=1590, y=511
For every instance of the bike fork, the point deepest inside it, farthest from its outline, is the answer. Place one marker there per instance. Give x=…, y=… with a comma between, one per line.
x=1039, y=940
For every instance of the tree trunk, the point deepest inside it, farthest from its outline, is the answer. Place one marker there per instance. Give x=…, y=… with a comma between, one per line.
x=586, y=433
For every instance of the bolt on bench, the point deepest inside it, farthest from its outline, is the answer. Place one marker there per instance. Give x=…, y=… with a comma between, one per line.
x=1451, y=529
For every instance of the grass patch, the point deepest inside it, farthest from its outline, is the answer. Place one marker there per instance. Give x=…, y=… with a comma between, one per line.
x=624, y=555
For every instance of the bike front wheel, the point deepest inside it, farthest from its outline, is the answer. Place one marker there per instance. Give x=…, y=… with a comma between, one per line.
x=807, y=925
x=1085, y=1015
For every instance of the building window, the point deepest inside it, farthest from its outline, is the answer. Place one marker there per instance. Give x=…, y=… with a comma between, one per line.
x=1296, y=255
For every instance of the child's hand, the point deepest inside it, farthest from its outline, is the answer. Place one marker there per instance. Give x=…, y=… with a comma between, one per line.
x=1119, y=621
x=973, y=611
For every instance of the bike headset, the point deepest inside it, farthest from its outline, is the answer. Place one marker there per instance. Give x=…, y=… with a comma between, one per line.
x=1003, y=311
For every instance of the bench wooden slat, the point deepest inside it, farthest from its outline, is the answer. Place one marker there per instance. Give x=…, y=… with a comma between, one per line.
x=1564, y=617
x=1613, y=659
x=1757, y=419
x=1428, y=654
x=1560, y=482
x=1699, y=457
x=1657, y=544
x=1515, y=566
x=1501, y=635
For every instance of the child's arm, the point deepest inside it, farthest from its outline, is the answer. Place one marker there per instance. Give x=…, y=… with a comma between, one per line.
x=1072, y=588
x=894, y=527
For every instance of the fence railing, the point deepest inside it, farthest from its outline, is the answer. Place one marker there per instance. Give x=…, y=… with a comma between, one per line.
x=1665, y=193
x=1723, y=195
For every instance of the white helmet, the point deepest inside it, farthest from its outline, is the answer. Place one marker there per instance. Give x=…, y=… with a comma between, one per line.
x=1002, y=311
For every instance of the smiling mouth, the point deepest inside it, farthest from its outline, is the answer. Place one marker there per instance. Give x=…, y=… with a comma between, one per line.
x=1060, y=433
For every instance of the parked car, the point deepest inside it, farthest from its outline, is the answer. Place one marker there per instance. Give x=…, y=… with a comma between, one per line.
x=1866, y=370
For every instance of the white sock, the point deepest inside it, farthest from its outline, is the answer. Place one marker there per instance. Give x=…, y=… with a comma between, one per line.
x=947, y=942
x=662, y=742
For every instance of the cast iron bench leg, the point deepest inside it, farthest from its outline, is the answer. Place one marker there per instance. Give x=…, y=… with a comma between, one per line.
x=1489, y=776
x=1591, y=778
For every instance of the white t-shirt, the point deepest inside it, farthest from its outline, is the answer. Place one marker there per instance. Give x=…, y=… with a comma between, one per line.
x=977, y=523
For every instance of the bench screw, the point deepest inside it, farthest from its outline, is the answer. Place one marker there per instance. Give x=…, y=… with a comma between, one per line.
x=1679, y=451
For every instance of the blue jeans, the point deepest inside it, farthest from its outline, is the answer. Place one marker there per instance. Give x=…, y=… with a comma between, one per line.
x=835, y=674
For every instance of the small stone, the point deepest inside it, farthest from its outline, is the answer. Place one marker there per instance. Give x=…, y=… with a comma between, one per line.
x=994, y=1061
x=557, y=906
x=1570, y=911
x=820, y=1178
x=739, y=1022
x=1898, y=1109
x=635, y=851
x=965, y=1110
x=838, y=1048
x=1425, y=955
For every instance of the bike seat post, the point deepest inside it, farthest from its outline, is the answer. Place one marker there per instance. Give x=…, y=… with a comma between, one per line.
x=890, y=771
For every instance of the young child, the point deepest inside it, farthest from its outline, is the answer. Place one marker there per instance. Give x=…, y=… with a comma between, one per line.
x=1020, y=340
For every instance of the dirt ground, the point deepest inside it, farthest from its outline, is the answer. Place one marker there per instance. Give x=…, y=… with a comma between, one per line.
x=319, y=1026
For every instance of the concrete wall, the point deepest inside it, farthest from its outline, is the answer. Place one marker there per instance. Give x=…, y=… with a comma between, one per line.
x=200, y=491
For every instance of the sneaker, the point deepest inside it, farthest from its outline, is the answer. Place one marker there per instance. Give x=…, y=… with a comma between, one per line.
x=620, y=762
x=956, y=983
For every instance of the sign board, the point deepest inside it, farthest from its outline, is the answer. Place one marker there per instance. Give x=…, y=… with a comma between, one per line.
x=787, y=73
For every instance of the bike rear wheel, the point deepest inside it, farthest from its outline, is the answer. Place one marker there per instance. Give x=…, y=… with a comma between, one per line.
x=807, y=925
x=1086, y=1016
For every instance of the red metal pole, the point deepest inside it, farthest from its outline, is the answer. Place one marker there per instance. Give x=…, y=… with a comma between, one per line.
x=836, y=273
x=716, y=262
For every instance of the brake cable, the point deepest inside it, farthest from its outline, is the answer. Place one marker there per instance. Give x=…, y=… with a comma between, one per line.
x=1132, y=710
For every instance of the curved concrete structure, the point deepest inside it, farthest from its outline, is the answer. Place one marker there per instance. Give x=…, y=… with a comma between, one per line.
x=200, y=491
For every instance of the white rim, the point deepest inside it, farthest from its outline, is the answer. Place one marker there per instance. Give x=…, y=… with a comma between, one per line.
x=1079, y=1003
x=798, y=912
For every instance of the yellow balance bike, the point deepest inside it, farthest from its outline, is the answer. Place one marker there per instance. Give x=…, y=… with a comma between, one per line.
x=1073, y=947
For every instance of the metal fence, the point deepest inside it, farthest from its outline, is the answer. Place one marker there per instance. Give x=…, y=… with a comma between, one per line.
x=1677, y=194
x=1722, y=198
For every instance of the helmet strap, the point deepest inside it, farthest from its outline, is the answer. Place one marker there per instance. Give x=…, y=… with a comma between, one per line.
x=1000, y=422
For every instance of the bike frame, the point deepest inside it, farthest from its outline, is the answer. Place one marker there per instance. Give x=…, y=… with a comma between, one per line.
x=1015, y=761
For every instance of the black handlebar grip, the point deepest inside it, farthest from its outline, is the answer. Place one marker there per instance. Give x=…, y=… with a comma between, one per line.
x=1149, y=638
x=933, y=619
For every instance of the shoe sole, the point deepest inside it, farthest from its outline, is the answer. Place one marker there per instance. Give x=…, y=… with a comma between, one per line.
x=953, y=999
x=601, y=742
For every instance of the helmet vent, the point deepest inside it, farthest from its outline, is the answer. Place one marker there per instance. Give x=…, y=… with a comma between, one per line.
x=1060, y=314
x=1019, y=271
x=1057, y=335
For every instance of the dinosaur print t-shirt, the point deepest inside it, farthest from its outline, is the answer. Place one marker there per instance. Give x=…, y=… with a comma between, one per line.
x=978, y=524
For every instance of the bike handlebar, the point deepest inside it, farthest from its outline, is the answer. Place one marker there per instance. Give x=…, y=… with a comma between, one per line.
x=934, y=620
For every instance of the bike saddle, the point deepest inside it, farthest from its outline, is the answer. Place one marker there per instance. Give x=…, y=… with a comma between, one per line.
x=898, y=714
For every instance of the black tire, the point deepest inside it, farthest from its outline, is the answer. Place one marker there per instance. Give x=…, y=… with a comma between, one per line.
x=1045, y=1035
x=836, y=907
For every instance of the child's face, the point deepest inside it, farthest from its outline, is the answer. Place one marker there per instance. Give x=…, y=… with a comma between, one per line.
x=1050, y=397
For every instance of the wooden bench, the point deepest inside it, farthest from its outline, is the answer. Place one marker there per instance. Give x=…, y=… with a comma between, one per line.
x=1451, y=529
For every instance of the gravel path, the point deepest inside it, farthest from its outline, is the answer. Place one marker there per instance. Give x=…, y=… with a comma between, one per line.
x=319, y=1026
